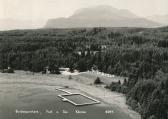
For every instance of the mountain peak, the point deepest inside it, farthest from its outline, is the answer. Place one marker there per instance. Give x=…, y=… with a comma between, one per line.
x=101, y=16
x=102, y=12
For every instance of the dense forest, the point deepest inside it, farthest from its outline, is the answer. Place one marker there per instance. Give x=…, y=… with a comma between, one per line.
x=137, y=53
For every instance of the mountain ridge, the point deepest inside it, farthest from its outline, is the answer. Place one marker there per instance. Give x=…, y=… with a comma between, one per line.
x=101, y=16
x=163, y=19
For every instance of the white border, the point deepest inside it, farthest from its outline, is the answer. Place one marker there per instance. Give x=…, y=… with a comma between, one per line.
x=69, y=94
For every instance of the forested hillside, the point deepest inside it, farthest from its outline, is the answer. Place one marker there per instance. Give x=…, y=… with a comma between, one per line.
x=137, y=53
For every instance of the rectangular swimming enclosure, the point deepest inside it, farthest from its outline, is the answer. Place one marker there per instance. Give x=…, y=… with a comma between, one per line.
x=78, y=99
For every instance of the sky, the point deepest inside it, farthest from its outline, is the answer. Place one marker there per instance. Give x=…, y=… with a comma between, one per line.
x=41, y=10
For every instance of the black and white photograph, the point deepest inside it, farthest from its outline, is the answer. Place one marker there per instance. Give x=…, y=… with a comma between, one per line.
x=83, y=59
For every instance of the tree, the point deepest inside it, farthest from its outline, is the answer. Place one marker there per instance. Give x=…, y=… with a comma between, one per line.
x=125, y=82
x=82, y=65
x=97, y=81
x=152, y=117
x=71, y=69
x=70, y=77
x=54, y=69
x=119, y=82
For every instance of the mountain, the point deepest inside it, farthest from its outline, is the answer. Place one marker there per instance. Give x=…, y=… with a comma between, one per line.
x=101, y=16
x=163, y=19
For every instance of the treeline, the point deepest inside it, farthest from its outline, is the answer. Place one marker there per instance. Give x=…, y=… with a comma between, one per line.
x=139, y=54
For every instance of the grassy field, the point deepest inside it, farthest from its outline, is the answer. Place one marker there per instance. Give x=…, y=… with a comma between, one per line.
x=21, y=91
x=105, y=78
